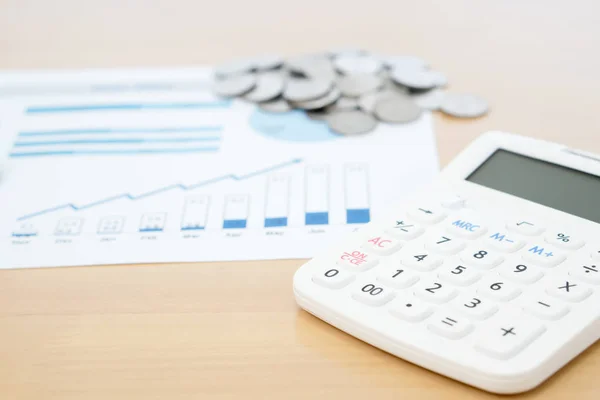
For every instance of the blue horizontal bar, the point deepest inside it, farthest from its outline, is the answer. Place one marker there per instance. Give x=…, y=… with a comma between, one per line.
x=126, y=107
x=317, y=218
x=234, y=223
x=113, y=152
x=274, y=222
x=24, y=234
x=151, y=229
x=358, y=216
x=116, y=141
x=192, y=228
x=106, y=131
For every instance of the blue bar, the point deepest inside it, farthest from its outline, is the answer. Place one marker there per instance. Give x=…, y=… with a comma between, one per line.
x=358, y=216
x=151, y=229
x=113, y=152
x=126, y=107
x=24, y=234
x=106, y=131
x=274, y=222
x=116, y=141
x=192, y=228
x=234, y=223
x=317, y=218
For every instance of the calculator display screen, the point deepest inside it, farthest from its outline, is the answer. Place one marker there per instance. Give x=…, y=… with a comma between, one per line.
x=562, y=188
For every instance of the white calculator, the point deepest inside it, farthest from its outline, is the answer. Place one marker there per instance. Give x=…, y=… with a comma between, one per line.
x=490, y=276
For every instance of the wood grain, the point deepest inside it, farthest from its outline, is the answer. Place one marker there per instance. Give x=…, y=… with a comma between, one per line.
x=232, y=330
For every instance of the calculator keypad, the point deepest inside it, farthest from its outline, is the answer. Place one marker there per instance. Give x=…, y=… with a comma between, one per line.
x=450, y=269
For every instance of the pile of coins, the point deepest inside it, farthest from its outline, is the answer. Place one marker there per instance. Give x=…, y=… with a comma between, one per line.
x=350, y=90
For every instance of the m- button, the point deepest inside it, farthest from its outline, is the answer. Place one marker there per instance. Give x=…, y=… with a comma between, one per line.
x=466, y=226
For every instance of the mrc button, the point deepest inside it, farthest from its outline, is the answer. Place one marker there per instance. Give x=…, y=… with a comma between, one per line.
x=466, y=226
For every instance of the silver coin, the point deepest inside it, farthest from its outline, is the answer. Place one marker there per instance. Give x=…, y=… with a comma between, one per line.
x=431, y=100
x=304, y=65
x=268, y=87
x=321, y=102
x=351, y=122
x=411, y=62
x=415, y=78
x=397, y=110
x=267, y=62
x=343, y=103
x=368, y=101
x=464, y=105
x=358, y=64
x=347, y=51
x=299, y=90
x=440, y=78
x=275, y=106
x=317, y=115
x=357, y=85
x=234, y=68
x=235, y=85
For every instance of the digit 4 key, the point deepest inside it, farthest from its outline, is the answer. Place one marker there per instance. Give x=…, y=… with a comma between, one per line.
x=498, y=290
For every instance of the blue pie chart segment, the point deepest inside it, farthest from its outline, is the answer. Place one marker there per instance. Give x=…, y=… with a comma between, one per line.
x=292, y=126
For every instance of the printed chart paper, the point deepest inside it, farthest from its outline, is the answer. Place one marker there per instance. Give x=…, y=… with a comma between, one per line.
x=145, y=166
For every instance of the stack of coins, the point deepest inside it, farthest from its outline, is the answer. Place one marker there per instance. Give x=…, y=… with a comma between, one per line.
x=350, y=90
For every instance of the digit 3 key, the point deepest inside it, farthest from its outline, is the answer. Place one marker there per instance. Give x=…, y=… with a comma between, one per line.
x=490, y=275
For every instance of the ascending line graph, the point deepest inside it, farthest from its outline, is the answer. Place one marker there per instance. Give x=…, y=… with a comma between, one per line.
x=176, y=186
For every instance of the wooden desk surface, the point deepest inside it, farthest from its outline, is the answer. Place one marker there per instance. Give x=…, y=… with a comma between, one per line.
x=232, y=330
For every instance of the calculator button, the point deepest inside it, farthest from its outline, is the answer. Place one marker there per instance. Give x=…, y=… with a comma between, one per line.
x=474, y=306
x=356, y=260
x=461, y=275
x=410, y=309
x=544, y=307
x=466, y=226
x=495, y=287
x=564, y=240
x=427, y=215
x=567, y=289
x=382, y=245
x=333, y=278
x=505, y=242
x=543, y=255
x=481, y=257
x=503, y=338
x=589, y=273
x=450, y=326
x=405, y=230
x=372, y=294
x=519, y=272
x=453, y=202
x=421, y=260
x=525, y=227
x=397, y=278
x=444, y=244
x=434, y=291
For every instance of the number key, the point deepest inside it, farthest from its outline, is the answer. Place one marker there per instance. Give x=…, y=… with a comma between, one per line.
x=372, y=294
x=461, y=275
x=474, y=306
x=398, y=278
x=420, y=260
x=444, y=244
x=498, y=288
x=435, y=292
x=519, y=272
x=333, y=278
x=483, y=258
